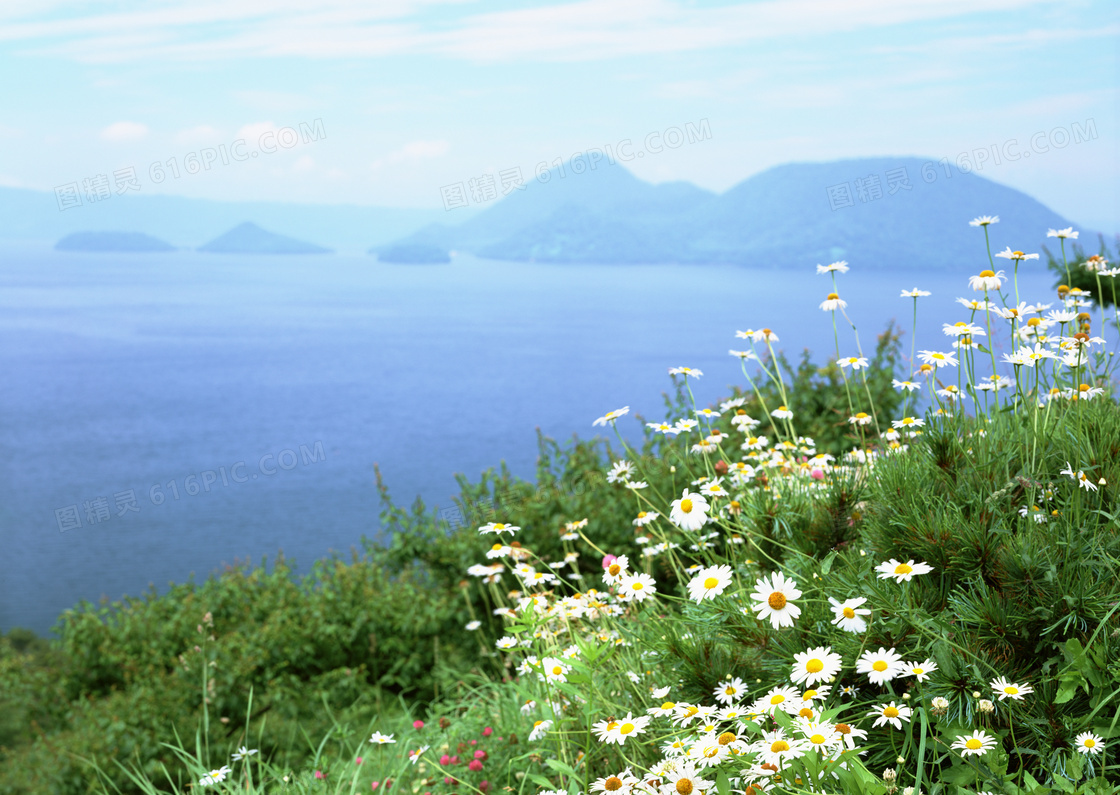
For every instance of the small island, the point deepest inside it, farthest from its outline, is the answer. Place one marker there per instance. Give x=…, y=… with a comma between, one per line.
x=412, y=254
x=248, y=238
x=112, y=241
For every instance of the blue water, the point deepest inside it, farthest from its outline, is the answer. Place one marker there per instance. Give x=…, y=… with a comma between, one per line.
x=124, y=372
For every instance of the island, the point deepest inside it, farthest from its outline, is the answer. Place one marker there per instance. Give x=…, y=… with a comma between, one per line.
x=112, y=241
x=412, y=254
x=248, y=238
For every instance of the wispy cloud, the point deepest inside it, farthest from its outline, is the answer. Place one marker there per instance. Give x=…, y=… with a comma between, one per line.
x=416, y=150
x=582, y=30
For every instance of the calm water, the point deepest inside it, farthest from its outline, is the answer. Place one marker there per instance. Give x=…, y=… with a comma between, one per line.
x=128, y=372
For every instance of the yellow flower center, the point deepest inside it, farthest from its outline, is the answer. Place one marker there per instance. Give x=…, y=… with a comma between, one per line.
x=782, y=408
x=814, y=666
x=1017, y=254
x=805, y=712
x=692, y=711
x=727, y=737
x=972, y=744
x=641, y=514
x=879, y=665
x=729, y=690
x=987, y=274
x=903, y=568
x=849, y=612
x=861, y=415
x=613, y=783
x=496, y=547
x=1083, y=388
x=626, y=728
x=614, y=569
x=557, y=670
x=1011, y=690
x=710, y=752
x=668, y=705
x=639, y=585
x=777, y=600
x=1090, y=742
x=684, y=786
x=890, y=712
x=778, y=746
x=777, y=698
x=711, y=583
x=832, y=297
x=817, y=739
x=843, y=728
x=686, y=506
x=808, y=695
x=538, y=723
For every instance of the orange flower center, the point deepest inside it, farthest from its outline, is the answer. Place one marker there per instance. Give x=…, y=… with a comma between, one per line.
x=777, y=600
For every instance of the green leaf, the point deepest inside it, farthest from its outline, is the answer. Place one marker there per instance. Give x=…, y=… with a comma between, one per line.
x=541, y=781
x=1064, y=784
x=723, y=786
x=1073, y=767
x=560, y=767
x=961, y=775
x=826, y=564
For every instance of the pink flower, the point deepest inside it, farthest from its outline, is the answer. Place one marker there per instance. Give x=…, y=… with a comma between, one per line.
x=455, y=759
x=320, y=774
x=817, y=474
x=475, y=765
x=418, y=724
x=445, y=760
x=487, y=732
x=448, y=780
x=608, y=560
x=480, y=754
x=474, y=742
x=358, y=761
x=484, y=785
x=373, y=785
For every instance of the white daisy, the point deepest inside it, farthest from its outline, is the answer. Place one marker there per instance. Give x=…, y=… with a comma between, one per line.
x=690, y=512
x=881, y=666
x=815, y=665
x=891, y=713
x=773, y=597
x=902, y=572
x=709, y=583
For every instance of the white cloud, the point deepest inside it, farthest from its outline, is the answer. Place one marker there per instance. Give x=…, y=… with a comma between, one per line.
x=253, y=132
x=202, y=134
x=124, y=131
x=414, y=150
x=304, y=163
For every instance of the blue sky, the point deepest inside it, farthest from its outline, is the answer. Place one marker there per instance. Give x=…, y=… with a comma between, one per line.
x=413, y=96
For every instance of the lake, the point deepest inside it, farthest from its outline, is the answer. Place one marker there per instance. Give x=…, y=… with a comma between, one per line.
x=166, y=414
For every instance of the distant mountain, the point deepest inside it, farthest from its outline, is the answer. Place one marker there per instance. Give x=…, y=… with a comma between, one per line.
x=907, y=213
x=112, y=241
x=184, y=222
x=248, y=238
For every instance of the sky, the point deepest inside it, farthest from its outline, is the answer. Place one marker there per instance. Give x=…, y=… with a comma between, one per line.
x=390, y=102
